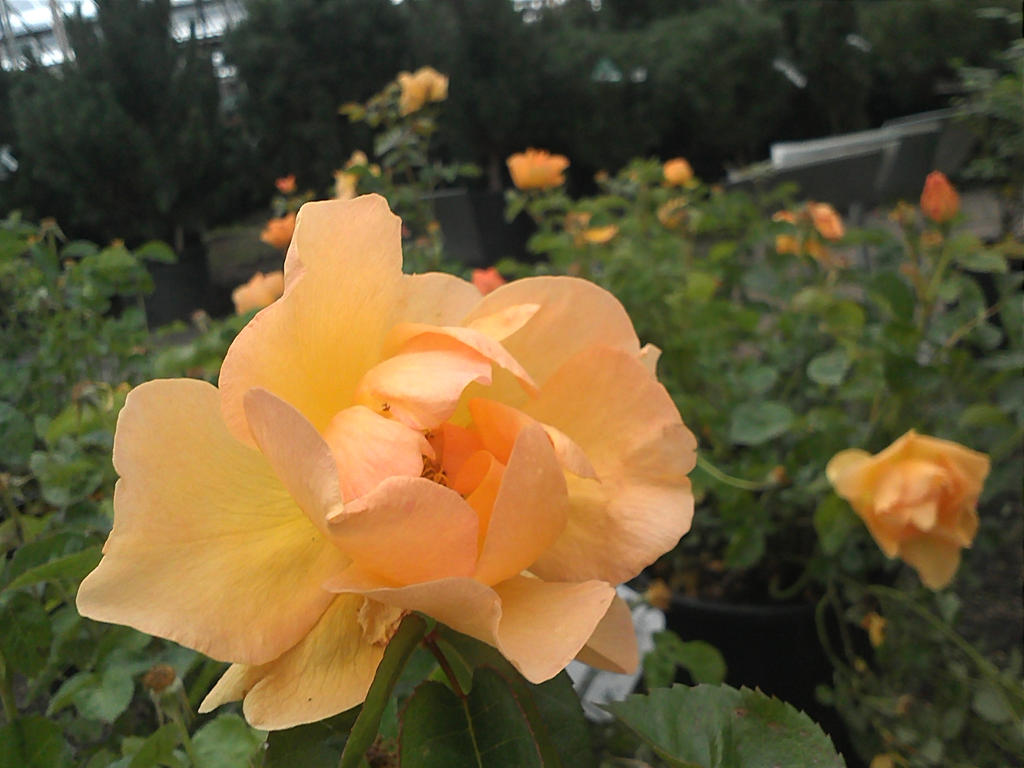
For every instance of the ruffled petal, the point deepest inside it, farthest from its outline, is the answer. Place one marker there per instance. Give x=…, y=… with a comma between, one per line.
x=529, y=512
x=436, y=298
x=641, y=452
x=329, y=671
x=299, y=456
x=421, y=385
x=206, y=539
x=843, y=471
x=408, y=530
x=613, y=645
x=311, y=347
x=503, y=323
x=935, y=559
x=369, y=448
x=538, y=626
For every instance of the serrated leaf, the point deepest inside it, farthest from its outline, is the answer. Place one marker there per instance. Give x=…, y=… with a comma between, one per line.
x=829, y=368
x=408, y=636
x=702, y=660
x=754, y=423
x=487, y=729
x=552, y=708
x=226, y=742
x=720, y=727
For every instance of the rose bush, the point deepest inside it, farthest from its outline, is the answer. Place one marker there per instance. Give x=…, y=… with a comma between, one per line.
x=383, y=443
x=918, y=499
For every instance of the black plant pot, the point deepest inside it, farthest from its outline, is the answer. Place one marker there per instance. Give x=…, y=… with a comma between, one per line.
x=774, y=647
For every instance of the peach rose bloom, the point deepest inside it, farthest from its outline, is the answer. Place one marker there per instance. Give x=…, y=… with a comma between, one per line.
x=486, y=280
x=286, y=184
x=918, y=499
x=424, y=85
x=826, y=220
x=939, y=199
x=261, y=291
x=382, y=443
x=672, y=213
x=677, y=172
x=278, y=231
x=537, y=169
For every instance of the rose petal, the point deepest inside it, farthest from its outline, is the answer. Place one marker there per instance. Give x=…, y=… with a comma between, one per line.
x=613, y=645
x=435, y=298
x=407, y=530
x=641, y=452
x=329, y=671
x=503, y=323
x=529, y=512
x=206, y=540
x=935, y=559
x=369, y=448
x=421, y=385
x=538, y=626
x=299, y=456
x=311, y=347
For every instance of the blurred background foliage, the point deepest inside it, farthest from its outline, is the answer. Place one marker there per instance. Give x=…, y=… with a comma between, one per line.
x=699, y=78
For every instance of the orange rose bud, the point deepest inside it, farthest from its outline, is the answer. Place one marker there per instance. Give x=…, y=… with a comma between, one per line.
x=486, y=280
x=286, y=184
x=537, y=169
x=939, y=200
x=826, y=220
x=918, y=499
x=677, y=172
x=278, y=232
x=261, y=291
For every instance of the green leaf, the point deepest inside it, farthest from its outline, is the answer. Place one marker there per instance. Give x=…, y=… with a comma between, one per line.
x=27, y=649
x=702, y=660
x=982, y=261
x=833, y=522
x=71, y=567
x=552, y=708
x=408, y=636
x=720, y=727
x=103, y=697
x=78, y=249
x=33, y=742
x=829, y=368
x=227, y=742
x=892, y=289
x=19, y=437
x=157, y=749
x=700, y=286
x=754, y=423
x=317, y=745
x=991, y=705
x=759, y=379
x=746, y=547
x=488, y=729
x=156, y=250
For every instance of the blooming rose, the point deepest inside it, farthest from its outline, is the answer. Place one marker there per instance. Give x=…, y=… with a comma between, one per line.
x=486, y=280
x=286, y=184
x=577, y=223
x=677, y=172
x=424, y=85
x=261, y=290
x=918, y=499
x=826, y=220
x=939, y=200
x=382, y=443
x=537, y=169
x=672, y=213
x=278, y=231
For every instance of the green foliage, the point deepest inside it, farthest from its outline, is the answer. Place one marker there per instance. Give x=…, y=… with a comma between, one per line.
x=720, y=727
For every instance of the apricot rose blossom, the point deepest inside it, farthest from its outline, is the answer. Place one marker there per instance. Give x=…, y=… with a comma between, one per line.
x=384, y=443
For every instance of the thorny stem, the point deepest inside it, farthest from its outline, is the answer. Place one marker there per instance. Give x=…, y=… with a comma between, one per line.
x=431, y=645
x=735, y=482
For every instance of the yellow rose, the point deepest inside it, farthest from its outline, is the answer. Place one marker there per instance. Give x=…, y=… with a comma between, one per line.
x=918, y=499
x=278, y=231
x=382, y=443
x=424, y=85
x=677, y=172
x=537, y=169
x=261, y=291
